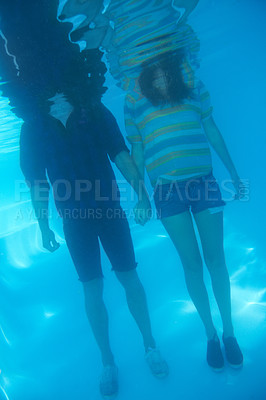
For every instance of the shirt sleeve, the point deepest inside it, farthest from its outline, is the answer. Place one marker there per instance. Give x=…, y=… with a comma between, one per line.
x=205, y=100
x=133, y=134
x=32, y=161
x=114, y=140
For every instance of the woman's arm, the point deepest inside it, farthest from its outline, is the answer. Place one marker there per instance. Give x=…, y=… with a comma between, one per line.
x=217, y=142
x=138, y=157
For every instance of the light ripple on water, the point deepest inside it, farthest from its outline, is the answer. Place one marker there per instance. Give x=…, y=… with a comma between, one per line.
x=9, y=128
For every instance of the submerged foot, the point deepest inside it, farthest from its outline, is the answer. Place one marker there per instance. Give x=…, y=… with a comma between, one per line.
x=157, y=364
x=233, y=353
x=214, y=354
x=109, y=382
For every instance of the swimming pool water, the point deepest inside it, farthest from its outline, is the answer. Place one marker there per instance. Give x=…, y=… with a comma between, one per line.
x=47, y=351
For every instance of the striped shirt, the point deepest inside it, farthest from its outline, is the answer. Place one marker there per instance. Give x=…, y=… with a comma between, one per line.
x=144, y=29
x=174, y=141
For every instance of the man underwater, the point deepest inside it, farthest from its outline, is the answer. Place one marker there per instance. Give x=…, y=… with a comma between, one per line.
x=76, y=160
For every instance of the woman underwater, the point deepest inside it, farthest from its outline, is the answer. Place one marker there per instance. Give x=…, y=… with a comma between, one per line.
x=169, y=124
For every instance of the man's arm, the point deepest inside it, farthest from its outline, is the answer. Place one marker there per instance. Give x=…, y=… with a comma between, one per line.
x=33, y=169
x=119, y=154
x=131, y=173
x=216, y=140
x=40, y=202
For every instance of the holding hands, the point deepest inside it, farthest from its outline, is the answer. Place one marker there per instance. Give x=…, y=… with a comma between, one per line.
x=142, y=211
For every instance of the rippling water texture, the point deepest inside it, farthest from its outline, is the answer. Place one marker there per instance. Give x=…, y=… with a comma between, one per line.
x=47, y=351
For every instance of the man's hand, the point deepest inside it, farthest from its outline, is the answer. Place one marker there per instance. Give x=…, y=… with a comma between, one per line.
x=142, y=211
x=48, y=240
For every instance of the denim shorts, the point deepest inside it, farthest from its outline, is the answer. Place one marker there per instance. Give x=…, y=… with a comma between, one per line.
x=83, y=237
x=195, y=195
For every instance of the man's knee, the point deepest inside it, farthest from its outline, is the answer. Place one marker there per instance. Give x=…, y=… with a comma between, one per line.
x=93, y=289
x=129, y=279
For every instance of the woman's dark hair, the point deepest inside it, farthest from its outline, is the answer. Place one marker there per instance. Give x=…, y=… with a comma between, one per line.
x=177, y=89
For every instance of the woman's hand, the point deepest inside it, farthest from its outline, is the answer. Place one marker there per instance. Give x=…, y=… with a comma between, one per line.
x=240, y=188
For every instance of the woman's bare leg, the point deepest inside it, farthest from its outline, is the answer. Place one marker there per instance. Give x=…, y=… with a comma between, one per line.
x=210, y=227
x=181, y=231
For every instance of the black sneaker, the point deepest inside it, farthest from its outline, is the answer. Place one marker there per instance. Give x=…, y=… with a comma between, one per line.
x=232, y=351
x=214, y=354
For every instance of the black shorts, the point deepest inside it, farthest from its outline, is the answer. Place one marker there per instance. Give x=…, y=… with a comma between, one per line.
x=82, y=236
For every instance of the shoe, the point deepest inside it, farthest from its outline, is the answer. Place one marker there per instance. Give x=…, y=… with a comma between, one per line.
x=214, y=354
x=232, y=351
x=109, y=382
x=157, y=364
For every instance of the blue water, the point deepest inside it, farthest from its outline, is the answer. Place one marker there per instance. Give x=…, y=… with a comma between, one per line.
x=47, y=351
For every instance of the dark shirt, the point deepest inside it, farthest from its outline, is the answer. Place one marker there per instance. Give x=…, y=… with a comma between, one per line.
x=74, y=158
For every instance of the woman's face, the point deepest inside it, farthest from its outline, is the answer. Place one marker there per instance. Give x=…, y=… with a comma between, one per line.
x=160, y=81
